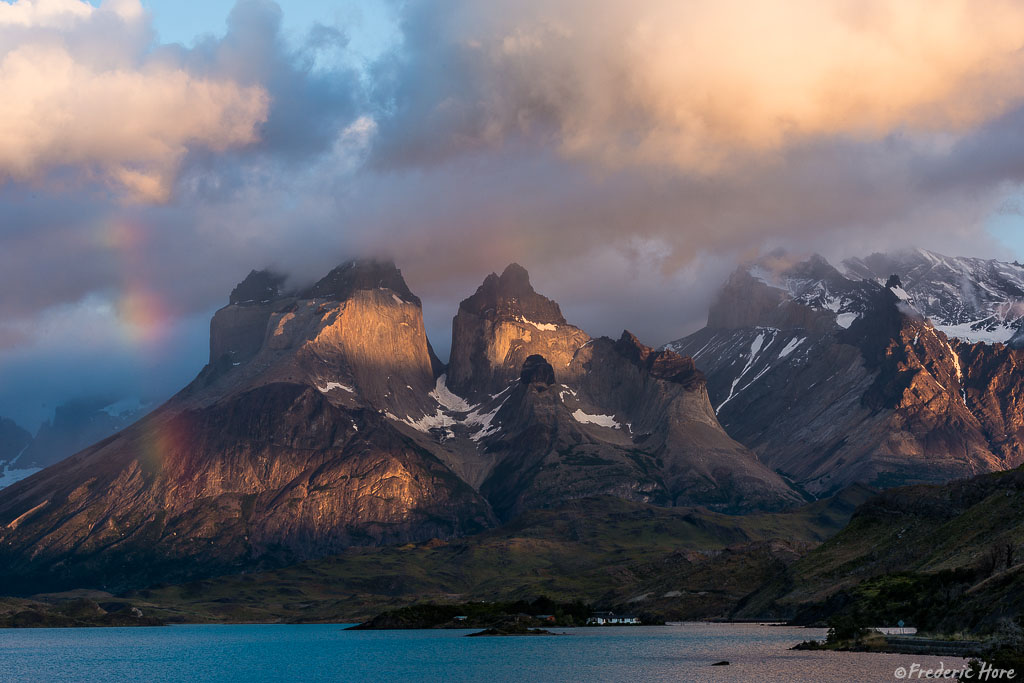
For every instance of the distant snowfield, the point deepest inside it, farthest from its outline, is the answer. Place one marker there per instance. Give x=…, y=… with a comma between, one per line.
x=999, y=334
x=14, y=476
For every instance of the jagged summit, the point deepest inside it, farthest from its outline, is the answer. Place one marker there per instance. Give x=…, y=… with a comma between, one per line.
x=662, y=364
x=511, y=296
x=781, y=290
x=267, y=285
x=502, y=324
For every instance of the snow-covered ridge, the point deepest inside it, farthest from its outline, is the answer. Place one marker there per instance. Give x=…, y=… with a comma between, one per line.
x=972, y=299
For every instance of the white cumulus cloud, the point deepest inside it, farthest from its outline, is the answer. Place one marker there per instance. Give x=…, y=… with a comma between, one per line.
x=84, y=88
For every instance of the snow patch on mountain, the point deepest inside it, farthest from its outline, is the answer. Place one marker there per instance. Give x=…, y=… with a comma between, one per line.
x=443, y=395
x=543, y=327
x=331, y=386
x=755, y=349
x=844, y=320
x=485, y=421
x=791, y=346
x=600, y=420
x=900, y=293
x=978, y=331
x=455, y=410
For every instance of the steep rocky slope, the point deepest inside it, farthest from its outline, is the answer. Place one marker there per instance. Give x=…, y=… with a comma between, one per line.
x=627, y=421
x=834, y=381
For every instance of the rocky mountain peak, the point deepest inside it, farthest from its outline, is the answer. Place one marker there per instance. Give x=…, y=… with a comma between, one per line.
x=499, y=327
x=784, y=292
x=511, y=295
x=322, y=422
x=814, y=267
x=258, y=287
x=360, y=274
x=662, y=364
x=515, y=280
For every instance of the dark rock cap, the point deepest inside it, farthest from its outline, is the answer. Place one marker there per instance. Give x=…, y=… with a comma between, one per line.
x=537, y=370
x=360, y=274
x=258, y=287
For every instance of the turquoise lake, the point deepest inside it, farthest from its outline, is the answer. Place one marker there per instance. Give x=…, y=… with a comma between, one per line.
x=327, y=652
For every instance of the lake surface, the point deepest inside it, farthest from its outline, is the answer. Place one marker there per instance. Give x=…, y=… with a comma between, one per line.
x=272, y=652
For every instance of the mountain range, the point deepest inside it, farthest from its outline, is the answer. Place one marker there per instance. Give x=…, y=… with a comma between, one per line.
x=76, y=424
x=842, y=376
x=324, y=421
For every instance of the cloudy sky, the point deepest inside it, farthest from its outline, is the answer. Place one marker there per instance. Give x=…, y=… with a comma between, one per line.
x=628, y=154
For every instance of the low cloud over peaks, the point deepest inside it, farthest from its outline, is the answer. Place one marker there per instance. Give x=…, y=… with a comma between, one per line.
x=628, y=154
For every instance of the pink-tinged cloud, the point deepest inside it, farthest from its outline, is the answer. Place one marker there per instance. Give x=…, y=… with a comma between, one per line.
x=82, y=89
x=701, y=85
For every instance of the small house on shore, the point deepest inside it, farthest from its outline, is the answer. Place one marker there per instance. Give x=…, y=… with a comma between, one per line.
x=603, y=618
